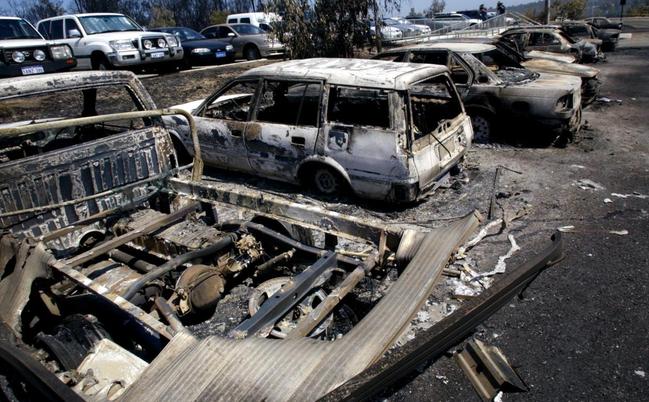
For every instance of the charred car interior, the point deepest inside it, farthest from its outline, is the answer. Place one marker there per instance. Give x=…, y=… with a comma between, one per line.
x=121, y=270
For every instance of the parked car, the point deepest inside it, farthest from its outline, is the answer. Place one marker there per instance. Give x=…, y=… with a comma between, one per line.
x=23, y=51
x=432, y=24
x=103, y=41
x=581, y=31
x=604, y=23
x=198, y=49
x=260, y=20
x=551, y=39
x=387, y=32
x=407, y=29
x=336, y=123
x=494, y=93
x=420, y=29
x=456, y=19
x=248, y=40
x=607, y=38
x=507, y=55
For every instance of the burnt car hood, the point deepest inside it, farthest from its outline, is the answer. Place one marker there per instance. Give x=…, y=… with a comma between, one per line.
x=545, y=86
x=555, y=67
x=539, y=54
x=208, y=43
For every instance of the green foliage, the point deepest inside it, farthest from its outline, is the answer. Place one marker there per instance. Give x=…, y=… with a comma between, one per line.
x=218, y=17
x=324, y=28
x=161, y=17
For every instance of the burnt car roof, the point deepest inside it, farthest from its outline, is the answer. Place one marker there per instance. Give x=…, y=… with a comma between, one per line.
x=469, y=47
x=24, y=86
x=353, y=72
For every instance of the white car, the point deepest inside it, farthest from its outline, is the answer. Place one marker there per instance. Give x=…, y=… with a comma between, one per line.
x=260, y=20
x=388, y=33
x=103, y=41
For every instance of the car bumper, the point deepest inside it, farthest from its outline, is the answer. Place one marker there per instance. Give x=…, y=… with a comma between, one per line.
x=271, y=51
x=138, y=57
x=16, y=70
x=208, y=58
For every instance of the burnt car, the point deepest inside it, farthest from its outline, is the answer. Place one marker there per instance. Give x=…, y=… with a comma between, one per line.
x=23, y=51
x=121, y=277
x=603, y=23
x=198, y=49
x=609, y=37
x=507, y=55
x=551, y=39
x=495, y=92
x=249, y=41
x=383, y=130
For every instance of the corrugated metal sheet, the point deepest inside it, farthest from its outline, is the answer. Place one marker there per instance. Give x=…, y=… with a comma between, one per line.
x=300, y=369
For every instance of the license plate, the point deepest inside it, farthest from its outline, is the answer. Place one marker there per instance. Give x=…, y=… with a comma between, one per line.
x=221, y=54
x=28, y=70
x=157, y=55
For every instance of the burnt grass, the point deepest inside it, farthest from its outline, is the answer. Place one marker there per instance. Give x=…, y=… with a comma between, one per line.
x=580, y=331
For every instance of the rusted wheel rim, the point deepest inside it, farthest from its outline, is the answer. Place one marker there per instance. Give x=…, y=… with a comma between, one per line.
x=325, y=181
x=267, y=289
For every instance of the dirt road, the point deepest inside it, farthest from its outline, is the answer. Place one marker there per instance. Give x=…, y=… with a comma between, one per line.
x=580, y=333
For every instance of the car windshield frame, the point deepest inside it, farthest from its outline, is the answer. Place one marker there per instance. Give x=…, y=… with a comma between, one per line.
x=19, y=25
x=92, y=24
x=241, y=28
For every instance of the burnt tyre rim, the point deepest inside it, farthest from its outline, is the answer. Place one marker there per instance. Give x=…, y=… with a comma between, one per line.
x=325, y=181
x=267, y=289
x=481, y=128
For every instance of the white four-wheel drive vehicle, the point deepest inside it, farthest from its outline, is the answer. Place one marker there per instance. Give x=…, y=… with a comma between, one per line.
x=105, y=41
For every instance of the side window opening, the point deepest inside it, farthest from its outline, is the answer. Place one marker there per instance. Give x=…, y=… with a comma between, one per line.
x=429, y=58
x=289, y=102
x=432, y=103
x=233, y=104
x=359, y=106
x=56, y=30
x=459, y=73
x=232, y=21
x=390, y=57
x=70, y=24
x=245, y=20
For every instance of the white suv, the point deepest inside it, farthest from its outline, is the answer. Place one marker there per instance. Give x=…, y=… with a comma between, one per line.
x=103, y=41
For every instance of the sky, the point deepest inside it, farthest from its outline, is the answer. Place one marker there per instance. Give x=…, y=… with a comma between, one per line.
x=406, y=5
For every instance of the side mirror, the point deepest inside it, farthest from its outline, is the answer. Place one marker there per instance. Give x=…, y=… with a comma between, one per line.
x=74, y=33
x=231, y=35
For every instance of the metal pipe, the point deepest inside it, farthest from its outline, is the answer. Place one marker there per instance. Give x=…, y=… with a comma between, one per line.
x=285, y=256
x=175, y=262
x=168, y=313
x=131, y=260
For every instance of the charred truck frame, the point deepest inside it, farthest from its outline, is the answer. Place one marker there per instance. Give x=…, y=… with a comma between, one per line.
x=122, y=277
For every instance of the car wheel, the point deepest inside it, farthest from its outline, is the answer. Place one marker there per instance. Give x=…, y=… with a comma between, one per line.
x=100, y=63
x=482, y=127
x=326, y=181
x=251, y=53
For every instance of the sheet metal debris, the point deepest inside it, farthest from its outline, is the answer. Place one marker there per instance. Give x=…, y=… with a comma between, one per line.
x=488, y=370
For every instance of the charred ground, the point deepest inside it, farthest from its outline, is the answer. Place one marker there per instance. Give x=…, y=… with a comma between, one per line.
x=580, y=331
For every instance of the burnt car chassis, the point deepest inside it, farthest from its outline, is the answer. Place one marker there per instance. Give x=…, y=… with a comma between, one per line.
x=43, y=284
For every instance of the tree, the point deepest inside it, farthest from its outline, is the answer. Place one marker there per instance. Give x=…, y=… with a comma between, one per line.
x=161, y=17
x=437, y=6
x=414, y=14
x=36, y=10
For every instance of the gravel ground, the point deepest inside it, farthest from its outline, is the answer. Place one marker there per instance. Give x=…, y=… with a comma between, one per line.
x=581, y=331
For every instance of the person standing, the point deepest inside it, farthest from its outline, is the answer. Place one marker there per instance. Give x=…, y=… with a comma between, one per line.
x=483, y=12
x=500, y=7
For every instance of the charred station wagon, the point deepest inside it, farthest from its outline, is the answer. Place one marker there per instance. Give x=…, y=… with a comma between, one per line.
x=388, y=131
